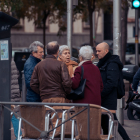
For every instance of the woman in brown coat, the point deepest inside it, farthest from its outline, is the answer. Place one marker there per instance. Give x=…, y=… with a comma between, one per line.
x=64, y=55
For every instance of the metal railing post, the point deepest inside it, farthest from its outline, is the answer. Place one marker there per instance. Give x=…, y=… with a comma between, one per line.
x=24, y=89
x=1, y=121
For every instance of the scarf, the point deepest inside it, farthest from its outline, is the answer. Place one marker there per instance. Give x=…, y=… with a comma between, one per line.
x=70, y=66
x=103, y=60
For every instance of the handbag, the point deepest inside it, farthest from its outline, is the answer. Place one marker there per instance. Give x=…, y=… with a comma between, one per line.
x=79, y=92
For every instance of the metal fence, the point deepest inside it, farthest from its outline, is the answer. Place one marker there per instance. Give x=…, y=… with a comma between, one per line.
x=3, y=107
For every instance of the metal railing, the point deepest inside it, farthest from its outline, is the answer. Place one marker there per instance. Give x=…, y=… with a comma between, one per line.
x=3, y=106
x=24, y=89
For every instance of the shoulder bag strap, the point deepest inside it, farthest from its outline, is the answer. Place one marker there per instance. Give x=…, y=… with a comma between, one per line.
x=82, y=72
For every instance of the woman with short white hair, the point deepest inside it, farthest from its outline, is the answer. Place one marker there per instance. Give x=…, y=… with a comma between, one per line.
x=85, y=54
x=64, y=55
x=94, y=84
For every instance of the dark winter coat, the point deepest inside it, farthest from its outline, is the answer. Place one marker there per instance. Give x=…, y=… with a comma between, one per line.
x=31, y=62
x=109, y=67
x=15, y=92
x=51, y=78
x=94, y=84
x=136, y=80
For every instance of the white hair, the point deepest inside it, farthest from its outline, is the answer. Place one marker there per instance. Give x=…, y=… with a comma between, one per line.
x=33, y=46
x=62, y=48
x=86, y=52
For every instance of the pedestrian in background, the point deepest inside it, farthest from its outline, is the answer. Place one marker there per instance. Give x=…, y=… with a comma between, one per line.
x=136, y=80
x=94, y=84
x=15, y=97
x=109, y=66
x=37, y=52
x=64, y=56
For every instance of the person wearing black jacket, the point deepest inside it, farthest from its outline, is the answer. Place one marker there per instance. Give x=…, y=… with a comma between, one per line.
x=109, y=66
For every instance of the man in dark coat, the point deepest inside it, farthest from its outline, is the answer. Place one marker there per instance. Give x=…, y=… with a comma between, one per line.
x=37, y=53
x=136, y=80
x=109, y=66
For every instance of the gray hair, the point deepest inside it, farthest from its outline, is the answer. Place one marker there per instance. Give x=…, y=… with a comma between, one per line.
x=86, y=52
x=62, y=48
x=33, y=46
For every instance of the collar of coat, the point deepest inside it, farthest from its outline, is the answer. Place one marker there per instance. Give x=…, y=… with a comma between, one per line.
x=34, y=58
x=103, y=60
x=50, y=56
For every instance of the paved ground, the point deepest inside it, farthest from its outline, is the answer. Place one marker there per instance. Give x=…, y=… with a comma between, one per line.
x=132, y=128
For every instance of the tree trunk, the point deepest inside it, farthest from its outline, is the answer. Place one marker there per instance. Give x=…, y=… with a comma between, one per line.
x=46, y=14
x=124, y=13
x=91, y=28
x=91, y=10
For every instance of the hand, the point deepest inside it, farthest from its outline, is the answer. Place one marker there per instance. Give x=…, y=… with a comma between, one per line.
x=72, y=76
x=13, y=106
x=135, y=92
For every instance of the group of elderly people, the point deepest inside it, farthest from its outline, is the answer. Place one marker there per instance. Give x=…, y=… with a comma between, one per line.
x=94, y=84
x=52, y=79
x=49, y=76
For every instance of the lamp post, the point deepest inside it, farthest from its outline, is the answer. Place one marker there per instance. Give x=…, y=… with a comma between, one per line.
x=70, y=3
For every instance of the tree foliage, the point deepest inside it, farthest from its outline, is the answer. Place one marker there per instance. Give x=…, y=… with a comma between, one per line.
x=86, y=8
x=40, y=10
x=37, y=10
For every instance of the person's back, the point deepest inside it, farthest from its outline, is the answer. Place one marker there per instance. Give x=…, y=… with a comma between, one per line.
x=50, y=78
x=94, y=84
x=49, y=73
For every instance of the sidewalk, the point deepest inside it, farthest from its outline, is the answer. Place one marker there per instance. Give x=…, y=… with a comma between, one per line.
x=132, y=128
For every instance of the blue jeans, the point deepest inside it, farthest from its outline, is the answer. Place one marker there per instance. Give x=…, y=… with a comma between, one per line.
x=15, y=123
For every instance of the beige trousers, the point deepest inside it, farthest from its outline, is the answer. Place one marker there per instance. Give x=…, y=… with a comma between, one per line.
x=56, y=100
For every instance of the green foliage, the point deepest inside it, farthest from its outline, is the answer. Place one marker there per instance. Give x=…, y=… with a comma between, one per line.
x=34, y=9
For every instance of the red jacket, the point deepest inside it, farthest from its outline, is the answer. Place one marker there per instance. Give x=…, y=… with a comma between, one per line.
x=94, y=84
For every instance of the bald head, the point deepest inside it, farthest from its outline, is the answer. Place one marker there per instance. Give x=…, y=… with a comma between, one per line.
x=52, y=47
x=104, y=45
x=102, y=49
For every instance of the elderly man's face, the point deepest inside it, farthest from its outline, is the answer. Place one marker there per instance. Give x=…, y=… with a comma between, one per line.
x=65, y=56
x=39, y=54
x=101, y=51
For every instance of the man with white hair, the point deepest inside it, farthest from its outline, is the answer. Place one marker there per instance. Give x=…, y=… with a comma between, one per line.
x=37, y=52
x=110, y=67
